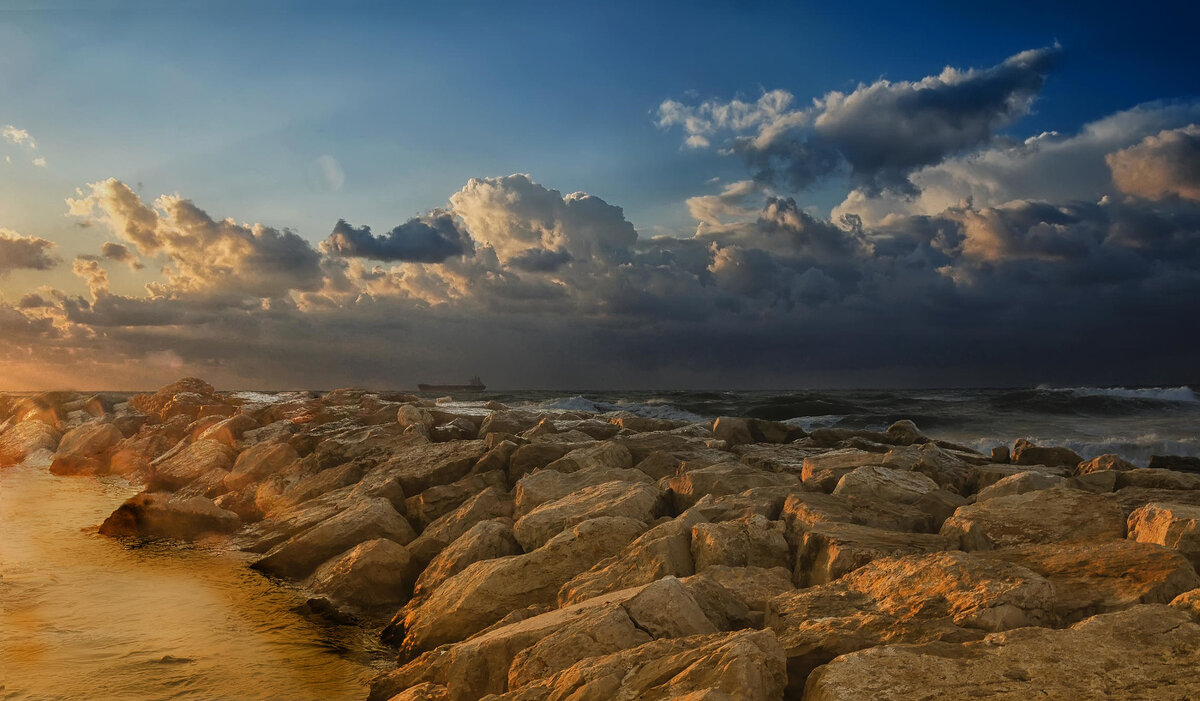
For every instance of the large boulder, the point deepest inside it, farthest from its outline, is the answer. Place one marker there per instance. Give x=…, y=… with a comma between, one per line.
x=822, y=472
x=435, y=502
x=754, y=542
x=1156, y=478
x=1175, y=526
x=86, y=449
x=1026, y=453
x=689, y=486
x=949, y=469
x=900, y=487
x=757, y=501
x=418, y=466
x=1104, y=576
x=1055, y=515
x=486, y=540
x=1138, y=653
x=542, y=486
x=1102, y=463
x=158, y=515
x=1020, y=483
x=825, y=552
x=636, y=500
x=258, y=462
x=605, y=455
x=373, y=575
x=949, y=596
x=491, y=503
x=486, y=591
x=193, y=461
x=19, y=441
x=805, y=509
x=299, y=555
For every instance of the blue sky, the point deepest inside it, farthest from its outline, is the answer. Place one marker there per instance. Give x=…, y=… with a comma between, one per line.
x=297, y=114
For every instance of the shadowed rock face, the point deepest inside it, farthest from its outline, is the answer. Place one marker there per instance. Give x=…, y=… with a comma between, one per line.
x=566, y=555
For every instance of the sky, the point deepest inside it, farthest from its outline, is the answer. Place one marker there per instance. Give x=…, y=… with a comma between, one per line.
x=605, y=195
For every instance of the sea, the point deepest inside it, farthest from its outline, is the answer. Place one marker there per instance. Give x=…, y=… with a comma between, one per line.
x=1133, y=422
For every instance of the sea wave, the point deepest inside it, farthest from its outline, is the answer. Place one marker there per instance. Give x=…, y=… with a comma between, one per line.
x=655, y=408
x=1135, y=449
x=1182, y=394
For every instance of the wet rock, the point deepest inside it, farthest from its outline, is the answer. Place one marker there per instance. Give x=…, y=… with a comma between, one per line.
x=754, y=542
x=159, y=515
x=486, y=591
x=1175, y=526
x=636, y=500
x=299, y=555
x=1055, y=515
x=375, y=574
x=1136, y=653
x=86, y=449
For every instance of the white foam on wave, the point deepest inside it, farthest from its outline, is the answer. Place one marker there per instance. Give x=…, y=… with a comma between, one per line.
x=652, y=409
x=1135, y=449
x=1183, y=393
x=261, y=397
x=808, y=423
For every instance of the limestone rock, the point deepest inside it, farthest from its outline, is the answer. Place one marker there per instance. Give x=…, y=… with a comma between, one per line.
x=636, y=500
x=410, y=415
x=542, y=486
x=822, y=472
x=905, y=432
x=24, y=439
x=156, y=514
x=372, y=575
x=485, y=591
x=1055, y=515
x=807, y=509
x=758, y=501
x=86, y=449
x=174, y=470
x=753, y=586
x=754, y=542
x=949, y=469
x=1175, y=526
x=900, y=487
x=491, y=503
x=605, y=455
x=486, y=540
x=827, y=551
x=1156, y=478
x=724, y=478
x=437, y=501
x=419, y=467
x=258, y=462
x=1129, y=499
x=1137, y=653
x=948, y=596
x=1026, y=453
x=981, y=477
x=644, y=424
x=426, y=691
x=1109, y=461
x=1019, y=483
x=1179, y=463
x=299, y=555
x=1188, y=602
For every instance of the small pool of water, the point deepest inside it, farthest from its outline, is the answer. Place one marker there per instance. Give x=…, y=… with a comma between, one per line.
x=83, y=616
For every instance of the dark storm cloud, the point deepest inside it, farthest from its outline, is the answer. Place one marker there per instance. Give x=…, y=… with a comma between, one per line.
x=24, y=252
x=1160, y=166
x=878, y=133
x=429, y=239
x=540, y=260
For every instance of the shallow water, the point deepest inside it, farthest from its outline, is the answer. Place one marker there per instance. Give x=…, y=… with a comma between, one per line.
x=83, y=616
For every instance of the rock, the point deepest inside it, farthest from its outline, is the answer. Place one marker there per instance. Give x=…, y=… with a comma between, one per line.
x=419, y=467
x=1188, y=602
x=1020, y=483
x=1109, y=461
x=86, y=449
x=229, y=431
x=1055, y=515
x=753, y=586
x=325, y=481
x=774, y=457
x=905, y=432
x=807, y=509
x=1175, y=526
x=597, y=429
x=176, y=469
x=423, y=692
x=542, y=486
x=664, y=550
x=1156, y=478
x=491, y=503
x=1106, y=576
x=511, y=421
x=980, y=477
x=948, y=596
x=949, y=469
x=1001, y=454
x=409, y=415
x=636, y=500
x=299, y=555
x=535, y=456
x=460, y=429
x=258, y=462
x=1179, y=463
x=822, y=472
x=681, y=443
x=755, y=542
x=724, y=478
x=24, y=439
x=1026, y=453
x=486, y=540
x=158, y=515
x=607, y=455
x=486, y=591
x=180, y=397
x=743, y=665
x=437, y=501
x=373, y=575
x=1130, y=499
x=1136, y=653
x=733, y=431
x=899, y=487
x=826, y=551
x=643, y=424
x=758, y=501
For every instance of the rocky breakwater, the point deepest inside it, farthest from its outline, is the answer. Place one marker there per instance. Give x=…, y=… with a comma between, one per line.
x=529, y=555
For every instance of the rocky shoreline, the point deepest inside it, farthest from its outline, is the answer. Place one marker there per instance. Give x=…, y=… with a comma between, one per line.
x=529, y=555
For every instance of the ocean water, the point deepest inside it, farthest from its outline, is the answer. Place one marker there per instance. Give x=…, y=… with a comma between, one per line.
x=1133, y=422
x=83, y=616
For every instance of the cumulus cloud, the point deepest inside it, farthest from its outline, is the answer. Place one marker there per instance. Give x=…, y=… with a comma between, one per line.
x=20, y=137
x=1160, y=166
x=429, y=239
x=878, y=133
x=120, y=253
x=24, y=252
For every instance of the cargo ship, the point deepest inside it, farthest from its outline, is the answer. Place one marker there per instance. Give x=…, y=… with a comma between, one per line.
x=475, y=385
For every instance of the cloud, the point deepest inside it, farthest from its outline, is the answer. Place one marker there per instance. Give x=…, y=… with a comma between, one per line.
x=1161, y=166
x=429, y=239
x=96, y=277
x=730, y=205
x=120, y=253
x=24, y=252
x=20, y=137
x=878, y=133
